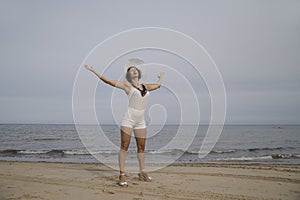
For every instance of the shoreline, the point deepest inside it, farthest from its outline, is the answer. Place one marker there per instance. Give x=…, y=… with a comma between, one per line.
x=213, y=164
x=45, y=180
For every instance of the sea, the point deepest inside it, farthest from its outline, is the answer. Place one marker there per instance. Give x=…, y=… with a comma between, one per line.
x=239, y=144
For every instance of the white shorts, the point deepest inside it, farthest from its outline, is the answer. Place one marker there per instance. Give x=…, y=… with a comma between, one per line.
x=134, y=119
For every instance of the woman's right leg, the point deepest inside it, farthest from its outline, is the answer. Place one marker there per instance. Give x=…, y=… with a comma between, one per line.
x=125, y=141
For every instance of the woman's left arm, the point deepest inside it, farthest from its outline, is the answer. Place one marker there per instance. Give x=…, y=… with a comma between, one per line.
x=150, y=87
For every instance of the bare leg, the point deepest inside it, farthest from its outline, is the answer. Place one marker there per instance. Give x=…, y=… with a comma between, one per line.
x=140, y=137
x=125, y=141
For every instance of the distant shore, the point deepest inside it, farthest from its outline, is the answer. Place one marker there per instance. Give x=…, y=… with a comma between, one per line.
x=42, y=180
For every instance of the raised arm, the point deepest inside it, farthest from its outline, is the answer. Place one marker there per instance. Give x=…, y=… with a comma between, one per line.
x=114, y=83
x=150, y=87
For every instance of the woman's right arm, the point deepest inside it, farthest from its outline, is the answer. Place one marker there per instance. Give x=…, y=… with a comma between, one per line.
x=114, y=83
x=102, y=78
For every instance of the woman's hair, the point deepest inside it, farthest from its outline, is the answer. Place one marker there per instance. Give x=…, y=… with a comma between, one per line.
x=128, y=76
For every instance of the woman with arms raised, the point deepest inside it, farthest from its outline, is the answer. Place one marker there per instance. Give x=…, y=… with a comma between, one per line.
x=133, y=119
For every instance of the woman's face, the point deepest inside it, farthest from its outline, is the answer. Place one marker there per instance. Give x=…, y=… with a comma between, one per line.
x=134, y=73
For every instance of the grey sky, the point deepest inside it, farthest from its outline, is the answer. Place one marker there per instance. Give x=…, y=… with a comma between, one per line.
x=255, y=45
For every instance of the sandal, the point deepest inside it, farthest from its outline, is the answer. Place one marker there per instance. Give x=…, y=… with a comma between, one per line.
x=144, y=178
x=122, y=183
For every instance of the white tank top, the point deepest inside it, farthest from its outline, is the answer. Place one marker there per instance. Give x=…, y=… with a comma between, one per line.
x=136, y=100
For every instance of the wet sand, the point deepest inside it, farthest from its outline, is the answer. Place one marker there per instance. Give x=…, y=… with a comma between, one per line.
x=29, y=180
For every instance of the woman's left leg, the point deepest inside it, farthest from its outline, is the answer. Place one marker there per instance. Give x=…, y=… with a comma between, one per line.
x=140, y=137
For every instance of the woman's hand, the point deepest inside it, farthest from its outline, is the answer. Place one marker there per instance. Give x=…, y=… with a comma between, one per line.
x=114, y=83
x=161, y=74
x=89, y=67
x=151, y=87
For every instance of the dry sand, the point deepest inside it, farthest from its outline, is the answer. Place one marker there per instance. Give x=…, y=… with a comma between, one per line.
x=21, y=180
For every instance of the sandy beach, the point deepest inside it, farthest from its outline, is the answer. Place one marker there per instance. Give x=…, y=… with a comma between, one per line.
x=27, y=180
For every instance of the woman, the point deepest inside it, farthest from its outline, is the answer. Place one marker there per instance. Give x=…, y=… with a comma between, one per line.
x=133, y=119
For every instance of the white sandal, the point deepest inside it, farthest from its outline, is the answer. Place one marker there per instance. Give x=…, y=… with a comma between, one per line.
x=122, y=183
x=144, y=178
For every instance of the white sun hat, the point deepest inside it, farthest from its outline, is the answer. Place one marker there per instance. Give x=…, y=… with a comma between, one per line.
x=140, y=64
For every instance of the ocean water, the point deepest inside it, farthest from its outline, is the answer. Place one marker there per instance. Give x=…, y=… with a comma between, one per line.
x=263, y=144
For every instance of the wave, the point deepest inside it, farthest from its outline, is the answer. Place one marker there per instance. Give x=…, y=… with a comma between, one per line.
x=46, y=139
x=32, y=151
x=170, y=152
x=245, y=158
x=264, y=157
x=9, y=151
x=224, y=151
x=166, y=151
x=195, y=152
x=54, y=152
x=86, y=152
x=229, y=151
x=268, y=149
x=285, y=156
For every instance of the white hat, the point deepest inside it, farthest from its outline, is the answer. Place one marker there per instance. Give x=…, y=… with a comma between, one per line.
x=135, y=62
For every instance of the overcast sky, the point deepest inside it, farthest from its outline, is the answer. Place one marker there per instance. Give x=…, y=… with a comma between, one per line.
x=255, y=44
